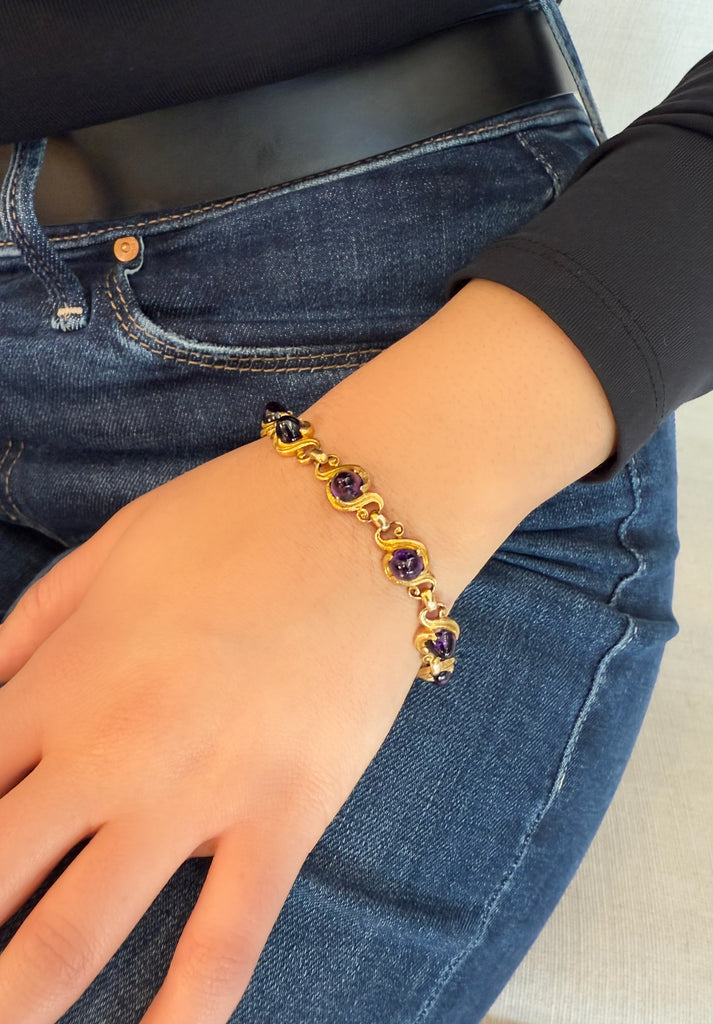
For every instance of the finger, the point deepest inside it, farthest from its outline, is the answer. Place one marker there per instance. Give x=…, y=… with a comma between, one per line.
x=20, y=740
x=53, y=597
x=43, y=606
x=41, y=819
x=248, y=882
x=82, y=920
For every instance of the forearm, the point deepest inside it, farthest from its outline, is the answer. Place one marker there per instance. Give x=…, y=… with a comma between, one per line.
x=468, y=423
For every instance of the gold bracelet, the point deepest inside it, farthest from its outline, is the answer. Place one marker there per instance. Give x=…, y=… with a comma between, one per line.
x=405, y=561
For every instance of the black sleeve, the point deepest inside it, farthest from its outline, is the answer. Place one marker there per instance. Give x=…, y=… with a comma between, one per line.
x=622, y=261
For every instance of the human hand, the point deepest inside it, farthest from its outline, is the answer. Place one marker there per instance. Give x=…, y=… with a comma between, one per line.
x=208, y=675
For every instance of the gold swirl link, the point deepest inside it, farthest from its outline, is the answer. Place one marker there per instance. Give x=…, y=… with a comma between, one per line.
x=307, y=449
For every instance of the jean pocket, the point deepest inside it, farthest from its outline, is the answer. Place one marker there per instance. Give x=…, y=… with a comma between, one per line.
x=217, y=344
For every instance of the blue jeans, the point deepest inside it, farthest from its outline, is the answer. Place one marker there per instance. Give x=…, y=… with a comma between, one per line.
x=443, y=865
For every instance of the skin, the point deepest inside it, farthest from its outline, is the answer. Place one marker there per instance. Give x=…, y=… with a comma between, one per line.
x=211, y=672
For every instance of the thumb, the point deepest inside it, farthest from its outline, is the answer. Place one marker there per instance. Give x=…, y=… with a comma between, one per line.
x=52, y=597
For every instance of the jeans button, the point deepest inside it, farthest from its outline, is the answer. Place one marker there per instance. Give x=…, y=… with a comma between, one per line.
x=126, y=248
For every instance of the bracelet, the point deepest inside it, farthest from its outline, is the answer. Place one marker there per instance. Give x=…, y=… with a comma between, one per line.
x=405, y=561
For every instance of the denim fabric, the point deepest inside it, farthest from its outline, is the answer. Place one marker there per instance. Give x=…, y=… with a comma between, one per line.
x=438, y=872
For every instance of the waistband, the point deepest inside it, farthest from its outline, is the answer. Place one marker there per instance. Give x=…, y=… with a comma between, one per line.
x=201, y=152
x=230, y=145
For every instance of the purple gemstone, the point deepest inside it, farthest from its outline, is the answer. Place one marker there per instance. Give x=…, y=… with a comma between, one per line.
x=444, y=645
x=272, y=411
x=442, y=677
x=406, y=564
x=287, y=429
x=346, y=485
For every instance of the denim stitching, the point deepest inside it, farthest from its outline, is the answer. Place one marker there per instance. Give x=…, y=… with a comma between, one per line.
x=17, y=515
x=613, y=304
x=6, y=482
x=224, y=203
x=10, y=504
x=635, y=478
x=629, y=634
x=541, y=159
x=209, y=362
x=43, y=271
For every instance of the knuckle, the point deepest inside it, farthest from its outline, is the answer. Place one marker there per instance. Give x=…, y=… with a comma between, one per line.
x=216, y=966
x=311, y=795
x=53, y=948
x=43, y=594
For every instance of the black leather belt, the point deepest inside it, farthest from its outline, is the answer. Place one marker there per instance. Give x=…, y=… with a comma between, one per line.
x=229, y=145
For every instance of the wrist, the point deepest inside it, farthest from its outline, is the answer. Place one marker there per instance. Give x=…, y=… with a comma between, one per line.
x=515, y=414
x=331, y=548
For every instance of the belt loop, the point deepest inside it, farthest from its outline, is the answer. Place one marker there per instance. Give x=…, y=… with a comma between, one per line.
x=20, y=223
x=551, y=11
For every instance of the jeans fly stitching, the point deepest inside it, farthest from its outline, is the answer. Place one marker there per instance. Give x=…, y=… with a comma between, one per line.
x=209, y=362
x=8, y=505
x=6, y=500
x=628, y=635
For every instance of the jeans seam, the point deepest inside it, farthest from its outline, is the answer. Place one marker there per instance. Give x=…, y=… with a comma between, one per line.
x=630, y=632
x=208, y=362
x=543, y=161
x=635, y=480
x=234, y=200
x=7, y=504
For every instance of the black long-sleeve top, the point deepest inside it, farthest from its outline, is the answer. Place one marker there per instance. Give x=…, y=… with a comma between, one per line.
x=621, y=260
